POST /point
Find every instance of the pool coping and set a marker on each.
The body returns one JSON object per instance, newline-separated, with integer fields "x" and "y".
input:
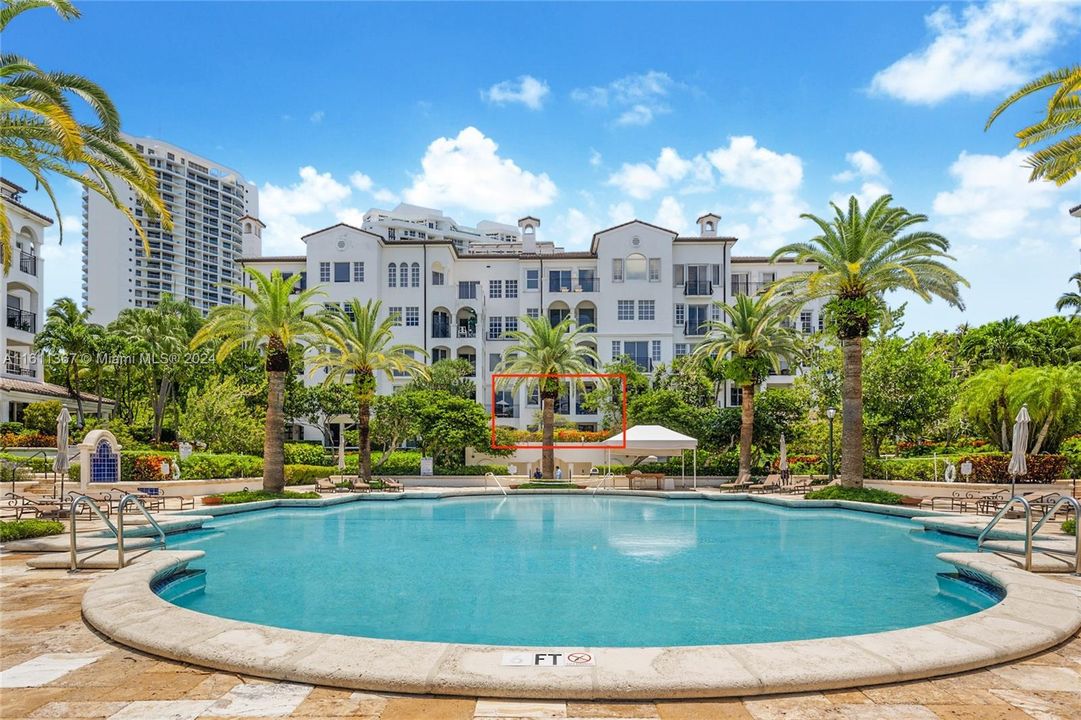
{"x": 1036, "y": 613}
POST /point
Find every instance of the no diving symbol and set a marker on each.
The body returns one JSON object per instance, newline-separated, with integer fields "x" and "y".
{"x": 580, "y": 658}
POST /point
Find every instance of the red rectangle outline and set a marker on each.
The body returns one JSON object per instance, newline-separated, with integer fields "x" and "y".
{"x": 592, "y": 446}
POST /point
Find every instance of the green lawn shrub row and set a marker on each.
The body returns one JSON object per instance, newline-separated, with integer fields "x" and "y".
{"x": 244, "y": 496}
{"x": 23, "y": 529}
{"x": 868, "y": 495}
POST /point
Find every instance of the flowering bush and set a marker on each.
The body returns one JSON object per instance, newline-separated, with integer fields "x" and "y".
{"x": 995, "y": 468}
{"x": 147, "y": 468}
{"x": 27, "y": 439}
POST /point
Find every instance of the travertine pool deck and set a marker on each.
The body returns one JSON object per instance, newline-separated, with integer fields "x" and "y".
{"x": 43, "y": 633}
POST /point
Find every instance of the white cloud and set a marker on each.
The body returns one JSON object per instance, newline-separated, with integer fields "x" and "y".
{"x": 638, "y": 98}
{"x": 386, "y": 197}
{"x": 280, "y": 207}
{"x": 361, "y": 181}
{"x": 595, "y": 158}
{"x": 670, "y": 215}
{"x": 365, "y": 184}
{"x": 642, "y": 180}
{"x": 317, "y": 117}
{"x": 744, "y": 164}
{"x": 467, "y": 172}
{"x": 993, "y": 199}
{"x": 984, "y": 49}
{"x": 350, "y": 216}
{"x": 866, "y": 167}
{"x": 526, "y": 90}
{"x": 620, "y": 212}
{"x": 574, "y": 229}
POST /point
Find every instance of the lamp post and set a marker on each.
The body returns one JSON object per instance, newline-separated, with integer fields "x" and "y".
{"x": 831, "y": 413}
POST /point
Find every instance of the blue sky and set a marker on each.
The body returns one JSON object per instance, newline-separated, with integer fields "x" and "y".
{"x": 588, "y": 115}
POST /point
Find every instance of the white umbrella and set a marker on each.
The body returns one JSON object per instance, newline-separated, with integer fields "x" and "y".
{"x": 341, "y": 446}
{"x": 60, "y": 462}
{"x": 782, "y": 463}
{"x": 1020, "y": 444}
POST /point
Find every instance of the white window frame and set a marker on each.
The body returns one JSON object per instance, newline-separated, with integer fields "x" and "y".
{"x": 654, "y": 269}
{"x": 617, "y": 270}
{"x": 647, "y": 305}
{"x": 392, "y": 311}
{"x": 625, "y": 310}
{"x": 358, "y": 271}
{"x": 412, "y": 316}
{"x": 324, "y": 272}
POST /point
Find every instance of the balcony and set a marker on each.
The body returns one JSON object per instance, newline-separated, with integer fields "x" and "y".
{"x": 13, "y": 367}
{"x": 699, "y": 288}
{"x": 692, "y": 329}
{"x": 466, "y": 331}
{"x": 22, "y": 320}
{"x": 587, "y": 285}
{"x": 492, "y": 335}
{"x": 746, "y": 287}
{"x": 28, "y": 263}
{"x": 441, "y": 330}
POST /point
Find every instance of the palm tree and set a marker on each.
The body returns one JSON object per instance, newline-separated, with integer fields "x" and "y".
{"x": 985, "y": 400}
{"x": 39, "y": 131}
{"x": 359, "y": 343}
{"x": 546, "y": 351}
{"x": 1052, "y": 393}
{"x": 69, "y": 335}
{"x": 861, "y": 256}
{"x": 755, "y": 340}
{"x": 1060, "y": 161}
{"x": 1002, "y": 341}
{"x": 276, "y": 319}
{"x": 1071, "y": 299}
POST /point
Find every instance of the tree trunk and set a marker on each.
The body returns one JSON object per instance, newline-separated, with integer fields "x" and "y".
{"x": 548, "y": 455}
{"x": 364, "y": 433}
{"x": 159, "y": 406}
{"x": 746, "y": 433}
{"x": 1041, "y": 438}
{"x": 274, "y": 437}
{"x": 73, "y": 388}
{"x": 852, "y": 413}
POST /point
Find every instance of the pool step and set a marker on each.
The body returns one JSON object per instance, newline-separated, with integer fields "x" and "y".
{"x": 1047, "y": 556}
{"x": 105, "y": 560}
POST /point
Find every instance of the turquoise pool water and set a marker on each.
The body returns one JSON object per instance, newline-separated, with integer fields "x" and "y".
{"x": 574, "y": 570}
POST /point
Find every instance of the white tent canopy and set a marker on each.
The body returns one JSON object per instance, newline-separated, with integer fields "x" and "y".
{"x": 644, "y": 440}
{"x": 651, "y": 440}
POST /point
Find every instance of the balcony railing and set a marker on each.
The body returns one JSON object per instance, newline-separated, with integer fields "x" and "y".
{"x": 441, "y": 330}
{"x": 698, "y": 288}
{"x": 746, "y": 287}
{"x": 466, "y": 332}
{"x": 12, "y": 367}
{"x": 693, "y": 329}
{"x": 593, "y": 285}
{"x": 28, "y": 263}
{"x": 22, "y": 320}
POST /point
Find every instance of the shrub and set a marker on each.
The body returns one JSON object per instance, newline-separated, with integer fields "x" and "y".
{"x": 210, "y": 466}
{"x": 34, "y": 464}
{"x": 1070, "y": 526}
{"x": 27, "y": 439}
{"x": 220, "y": 417}
{"x": 868, "y": 495}
{"x": 41, "y": 416}
{"x": 306, "y": 454}
{"x": 11, "y": 428}
{"x": 920, "y": 469}
{"x": 244, "y": 496}
{"x": 147, "y": 468}
{"x": 1071, "y": 448}
{"x": 995, "y": 468}
{"x": 22, "y": 529}
{"x": 307, "y": 474}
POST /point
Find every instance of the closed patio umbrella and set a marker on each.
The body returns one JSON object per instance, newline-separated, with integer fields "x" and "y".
{"x": 1018, "y": 465}
{"x": 60, "y": 462}
{"x": 341, "y": 446}
{"x": 782, "y": 462}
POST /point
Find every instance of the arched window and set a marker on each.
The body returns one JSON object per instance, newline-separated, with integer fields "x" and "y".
{"x": 636, "y": 266}
{"x": 247, "y": 227}
{"x": 415, "y": 276}
{"x": 709, "y": 225}
{"x": 392, "y": 275}
{"x": 403, "y": 275}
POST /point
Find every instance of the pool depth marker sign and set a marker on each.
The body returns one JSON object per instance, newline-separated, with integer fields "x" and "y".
{"x": 547, "y": 658}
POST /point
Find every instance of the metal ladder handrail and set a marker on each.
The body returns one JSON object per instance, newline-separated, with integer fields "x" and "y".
{"x": 605, "y": 480}
{"x": 1065, "y": 500}
{"x": 74, "y": 515}
{"x": 1028, "y": 527}
{"x": 133, "y": 498}
{"x": 492, "y": 476}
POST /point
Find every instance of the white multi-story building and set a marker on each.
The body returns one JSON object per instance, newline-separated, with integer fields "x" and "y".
{"x": 458, "y": 291}
{"x": 22, "y": 380}
{"x": 209, "y": 203}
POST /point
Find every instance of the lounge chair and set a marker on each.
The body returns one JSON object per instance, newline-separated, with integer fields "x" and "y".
{"x": 355, "y": 483}
{"x": 772, "y": 483}
{"x": 734, "y": 486}
{"x": 391, "y": 485}
{"x": 39, "y": 505}
{"x": 993, "y": 502}
{"x": 797, "y": 484}
{"x": 152, "y": 500}
{"x": 324, "y": 485}
{"x": 162, "y": 498}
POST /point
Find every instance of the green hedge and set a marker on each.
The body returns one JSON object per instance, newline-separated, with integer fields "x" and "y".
{"x": 22, "y": 529}
{"x": 868, "y": 495}
{"x": 35, "y": 464}
{"x": 307, "y": 474}
{"x": 306, "y": 454}
{"x": 212, "y": 466}
{"x": 244, "y": 496}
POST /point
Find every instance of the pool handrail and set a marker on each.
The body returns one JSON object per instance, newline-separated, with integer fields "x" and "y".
{"x": 1028, "y": 527}
{"x": 74, "y": 514}
{"x": 1072, "y": 501}
{"x": 606, "y": 479}
{"x": 493, "y": 477}
{"x": 133, "y": 498}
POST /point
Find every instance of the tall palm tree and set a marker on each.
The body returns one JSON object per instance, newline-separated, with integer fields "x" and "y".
{"x": 1060, "y": 161}
{"x": 275, "y": 319}
{"x": 547, "y": 351}
{"x": 860, "y": 256}
{"x": 755, "y": 340}
{"x": 1052, "y": 393}
{"x": 40, "y": 132}
{"x": 1071, "y": 299}
{"x": 69, "y": 335}
{"x": 361, "y": 344}
{"x": 984, "y": 399}
{"x": 1001, "y": 341}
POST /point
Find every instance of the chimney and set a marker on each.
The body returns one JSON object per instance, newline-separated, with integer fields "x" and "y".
{"x": 528, "y": 228}
{"x": 707, "y": 225}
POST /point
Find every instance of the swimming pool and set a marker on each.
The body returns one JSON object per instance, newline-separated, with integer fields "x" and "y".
{"x": 574, "y": 570}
